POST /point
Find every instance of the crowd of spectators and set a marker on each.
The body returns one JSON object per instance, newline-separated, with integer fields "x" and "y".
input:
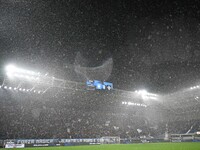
{"x": 36, "y": 116}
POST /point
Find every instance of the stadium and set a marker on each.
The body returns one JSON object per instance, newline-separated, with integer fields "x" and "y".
{"x": 99, "y": 75}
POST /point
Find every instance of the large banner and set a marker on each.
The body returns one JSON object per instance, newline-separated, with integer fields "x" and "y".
{"x": 56, "y": 141}
{"x": 12, "y": 145}
{"x": 59, "y": 142}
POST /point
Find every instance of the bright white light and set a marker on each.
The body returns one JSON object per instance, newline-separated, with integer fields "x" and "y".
{"x": 24, "y": 89}
{"x": 34, "y": 91}
{"x": 20, "y": 89}
{"x": 15, "y": 88}
{"x": 9, "y": 74}
{"x": 0, "y": 86}
{"x": 150, "y": 94}
{"x": 142, "y": 92}
{"x": 5, "y": 87}
{"x": 134, "y": 104}
{"x": 154, "y": 98}
{"x": 145, "y": 95}
{"x": 27, "y": 77}
{"x": 10, "y": 68}
{"x": 38, "y": 92}
{"x": 16, "y": 75}
{"x": 14, "y": 69}
{"x": 10, "y": 88}
{"x": 27, "y": 90}
{"x": 21, "y": 76}
{"x": 194, "y": 87}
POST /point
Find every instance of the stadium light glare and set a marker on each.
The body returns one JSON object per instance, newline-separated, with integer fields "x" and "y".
{"x": 9, "y": 74}
{"x": 5, "y": 87}
{"x": 10, "y": 88}
{"x": 146, "y": 95}
{"x": 142, "y": 92}
{"x": 13, "y": 69}
{"x": 27, "y": 77}
{"x": 15, "y": 74}
{"x": 134, "y": 104}
{"x": 20, "y": 89}
{"x": 20, "y": 75}
{"x": 10, "y": 68}
{"x": 15, "y": 88}
{"x": 154, "y": 98}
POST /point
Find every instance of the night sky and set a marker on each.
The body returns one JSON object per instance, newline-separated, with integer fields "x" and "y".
{"x": 152, "y": 44}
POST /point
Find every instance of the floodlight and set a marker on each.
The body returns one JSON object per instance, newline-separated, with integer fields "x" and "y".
{"x": 0, "y": 86}
{"x": 20, "y": 89}
{"x": 24, "y": 89}
{"x": 142, "y": 92}
{"x": 10, "y": 68}
{"x": 15, "y": 88}
{"x": 10, "y": 88}
{"x": 5, "y": 87}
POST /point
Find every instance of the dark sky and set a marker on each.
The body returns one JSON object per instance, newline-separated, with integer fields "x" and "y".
{"x": 154, "y": 44}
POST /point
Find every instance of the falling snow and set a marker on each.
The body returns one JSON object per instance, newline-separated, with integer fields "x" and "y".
{"x": 136, "y": 45}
